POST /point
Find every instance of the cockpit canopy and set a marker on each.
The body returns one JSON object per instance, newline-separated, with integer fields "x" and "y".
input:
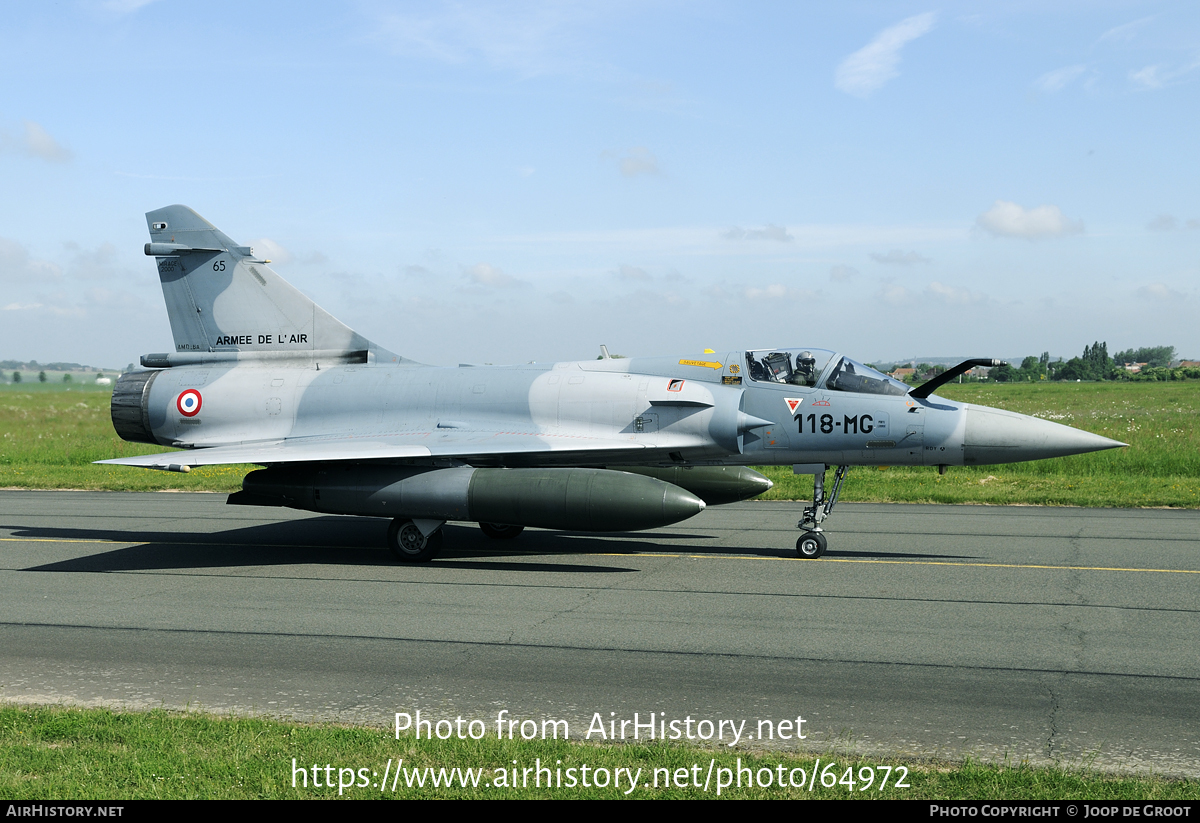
{"x": 819, "y": 367}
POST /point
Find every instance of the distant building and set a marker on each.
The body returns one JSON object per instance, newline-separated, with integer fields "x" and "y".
{"x": 1134, "y": 368}
{"x": 902, "y": 374}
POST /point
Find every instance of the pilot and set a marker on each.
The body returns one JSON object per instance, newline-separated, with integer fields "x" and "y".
{"x": 806, "y": 369}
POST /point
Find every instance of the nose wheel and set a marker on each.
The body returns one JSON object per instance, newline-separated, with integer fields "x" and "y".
{"x": 811, "y": 546}
{"x": 812, "y": 543}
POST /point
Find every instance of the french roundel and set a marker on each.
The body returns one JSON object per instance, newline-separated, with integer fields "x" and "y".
{"x": 189, "y": 403}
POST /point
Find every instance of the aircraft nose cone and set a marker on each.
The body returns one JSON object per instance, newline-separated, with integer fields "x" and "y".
{"x": 995, "y": 436}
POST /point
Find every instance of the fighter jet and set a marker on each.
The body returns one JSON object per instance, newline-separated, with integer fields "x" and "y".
{"x": 262, "y": 375}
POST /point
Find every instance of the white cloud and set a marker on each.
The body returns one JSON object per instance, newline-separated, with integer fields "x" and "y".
{"x": 635, "y": 161}
{"x": 896, "y": 257}
{"x": 626, "y": 272}
{"x": 893, "y": 293}
{"x": 827, "y": 239}
{"x": 1150, "y": 77}
{"x": 17, "y": 267}
{"x": 94, "y": 265}
{"x": 530, "y": 38}
{"x": 1058, "y": 79}
{"x": 773, "y": 290}
{"x": 952, "y": 295}
{"x": 59, "y": 304}
{"x": 768, "y": 232}
{"x": 646, "y": 297}
{"x": 35, "y": 141}
{"x": 1124, "y": 32}
{"x": 842, "y": 273}
{"x": 115, "y": 299}
{"x": 484, "y": 274}
{"x": 1160, "y": 75}
{"x": 869, "y": 68}
{"x": 1163, "y": 222}
{"x": 125, "y": 6}
{"x": 1006, "y": 219}
{"x": 778, "y": 291}
{"x": 267, "y": 249}
{"x": 1160, "y": 292}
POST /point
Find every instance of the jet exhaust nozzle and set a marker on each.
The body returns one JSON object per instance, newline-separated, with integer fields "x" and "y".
{"x": 130, "y": 407}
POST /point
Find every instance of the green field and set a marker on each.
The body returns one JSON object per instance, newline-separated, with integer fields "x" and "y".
{"x": 49, "y": 436}
{"x": 55, "y": 753}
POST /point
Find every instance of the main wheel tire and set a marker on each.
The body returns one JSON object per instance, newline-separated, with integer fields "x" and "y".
{"x": 811, "y": 546}
{"x": 409, "y": 545}
{"x": 500, "y": 531}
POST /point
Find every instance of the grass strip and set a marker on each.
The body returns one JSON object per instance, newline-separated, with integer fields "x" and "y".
{"x": 55, "y": 753}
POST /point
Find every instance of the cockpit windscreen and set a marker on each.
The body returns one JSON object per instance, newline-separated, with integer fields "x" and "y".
{"x": 852, "y": 376}
{"x": 805, "y": 367}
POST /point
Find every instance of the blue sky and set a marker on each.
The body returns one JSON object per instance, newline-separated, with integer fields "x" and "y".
{"x": 490, "y": 182}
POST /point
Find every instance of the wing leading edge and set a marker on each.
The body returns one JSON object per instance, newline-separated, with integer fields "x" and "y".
{"x": 456, "y": 443}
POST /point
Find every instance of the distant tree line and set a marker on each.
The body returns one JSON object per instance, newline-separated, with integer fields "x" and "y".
{"x": 42, "y": 377}
{"x": 33, "y": 365}
{"x": 1095, "y": 364}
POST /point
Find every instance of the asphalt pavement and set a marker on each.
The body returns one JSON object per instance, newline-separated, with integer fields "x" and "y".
{"x": 1042, "y": 635}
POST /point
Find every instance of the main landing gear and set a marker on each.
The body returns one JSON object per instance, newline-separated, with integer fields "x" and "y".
{"x": 419, "y": 541}
{"x": 812, "y": 543}
{"x": 500, "y": 531}
{"x": 413, "y": 542}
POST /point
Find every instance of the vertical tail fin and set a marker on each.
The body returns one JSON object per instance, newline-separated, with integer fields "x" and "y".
{"x": 221, "y": 298}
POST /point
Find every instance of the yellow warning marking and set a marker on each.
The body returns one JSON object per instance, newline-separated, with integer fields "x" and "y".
{"x": 708, "y": 364}
{"x": 625, "y": 554}
{"x": 906, "y": 562}
{"x": 1010, "y": 566}
{"x": 59, "y": 540}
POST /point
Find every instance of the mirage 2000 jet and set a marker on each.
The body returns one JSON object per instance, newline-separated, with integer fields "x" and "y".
{"x": 261, "y": 374}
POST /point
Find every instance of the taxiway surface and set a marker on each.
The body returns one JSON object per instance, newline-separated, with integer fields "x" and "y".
{"x": 1033, "y": 634}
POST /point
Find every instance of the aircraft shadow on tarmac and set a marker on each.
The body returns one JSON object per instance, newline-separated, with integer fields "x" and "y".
{"x": 334, "y": 541}
{"x": 341, "y": 541}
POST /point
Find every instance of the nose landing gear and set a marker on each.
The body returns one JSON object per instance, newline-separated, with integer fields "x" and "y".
{"x": 812, "y": 543}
